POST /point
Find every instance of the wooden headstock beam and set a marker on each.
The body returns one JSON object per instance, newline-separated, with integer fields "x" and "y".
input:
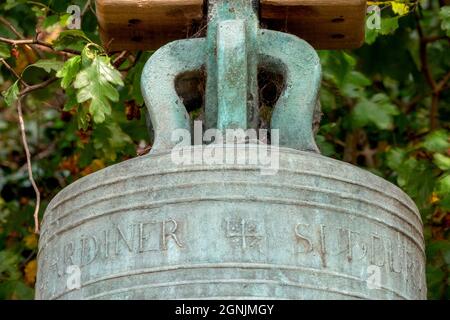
{"x": 149, "y": 24}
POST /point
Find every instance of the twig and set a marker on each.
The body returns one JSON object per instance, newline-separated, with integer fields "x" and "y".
{"x": 41, "y": 155}
{"x": 30, "y": 171}
{"x": 436, "y": 87}
{"x": 117, "y": 62}
{"x": 406, "y": 107}
{"x": 38, "y": 86}
{"x": 434, "y": 38}
{"x": 440, "y": 86}
{"x": 13, "y": 72}
{"x": 86, "y": 7}
{"x": 28, "y": 88}
{"x": 434, "y": 110}
{"x": 11, "y": 27}
{"x": 37, "y": 42}
{"x": 424, "y": 56}
{"x": 20, "y": 35}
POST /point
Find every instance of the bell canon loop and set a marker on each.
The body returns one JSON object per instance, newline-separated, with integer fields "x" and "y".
{"x": 229, "y": 208}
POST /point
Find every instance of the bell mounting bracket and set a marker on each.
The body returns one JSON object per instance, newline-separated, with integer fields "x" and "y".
{"x": 234, "y": 49}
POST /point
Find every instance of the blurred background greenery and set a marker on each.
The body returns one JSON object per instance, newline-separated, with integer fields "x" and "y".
{"x": 386, "y": 108}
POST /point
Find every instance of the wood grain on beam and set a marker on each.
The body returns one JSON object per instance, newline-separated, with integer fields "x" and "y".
{"x": 146, "y": 24}
{"x": 326, "y": 24}
{"x": 149, "y": 24}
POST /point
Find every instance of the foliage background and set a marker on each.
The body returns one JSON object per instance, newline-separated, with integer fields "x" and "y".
{"x": 386, "y": 108}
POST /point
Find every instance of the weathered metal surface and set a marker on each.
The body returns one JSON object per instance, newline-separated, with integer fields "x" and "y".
{"x": 232, "y": 63}
{"x": 148, "y": 229}
{"x": 231, "y": 54}
{"x": 165, "y": 107}
{"x": 294, "y": 110}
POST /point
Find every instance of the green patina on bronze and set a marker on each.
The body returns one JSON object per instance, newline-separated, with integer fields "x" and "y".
{"x": 233, "y": 51}
{"x": 232, "y": 65}
{"x": 151, "y": 228}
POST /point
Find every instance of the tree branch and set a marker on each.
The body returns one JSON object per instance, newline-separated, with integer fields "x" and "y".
{"x": 117, "y": 62}
{"x": 424, "y": 56}
{"x": 440, "y": 86}
{"x": 434, "y": 111}
{"x": 11, "y": 27}
{"x": 38, "y": 86}
{"x": 13, "y": 72}
{"x": 86, "y": 7}
{"x": 434, "y": 38}
{"x": 436, "y": 88}
{"x": 36, "y": 42}
{"x": 28, "y": 88}
{"x": 30, "y": 171}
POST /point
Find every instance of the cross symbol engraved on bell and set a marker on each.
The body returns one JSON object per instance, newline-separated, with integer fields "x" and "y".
{"x": 243, "y": 233}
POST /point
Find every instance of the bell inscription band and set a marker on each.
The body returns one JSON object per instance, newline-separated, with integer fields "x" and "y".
{"x": 183, "y": 223}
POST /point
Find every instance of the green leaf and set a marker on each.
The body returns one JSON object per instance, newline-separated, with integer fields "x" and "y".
{"x": 108, "y": 138}
{"x": 71, "y": 100}
{"x": 395, "y": 158}
{"x": 325, "y": 147}
{"x": 83, "y": 117}
{"x": 418, "y": 180}
{"x": 435, "y": 279}
{"x": 5, "y": 51}
{"x": 444, "y": 185}
{"x": 96, "y": 83}
{"x": 444, "y": 203}
{"x": 437, "y": 141}
{"x": 413, "y": 46}
{"x": 436, "y": 247}
{"x": 134, "y": 79}
{"x": 69, "y": 71}
{"x": 48, "y": 65}
{"x": 378, "y": 111}
{"x": 8, "y": 265}
{"x": 443, "y": 162}
{"x": 444, "y": 14}
{"x": 10, "y": 4}
{"x": 71, "y": 39}
{"x": 371, "y": 35}
{"x": 354, "y": 83}
{"x": 372, "y": 27}
{"x": 447, "y": 256}
{"x": 11, "y": 94}
{"x": 64, "y": 19}
{"x": 50, "y": 21}
{"x": 338, "y": 65}
{"x": 389, "y": 25}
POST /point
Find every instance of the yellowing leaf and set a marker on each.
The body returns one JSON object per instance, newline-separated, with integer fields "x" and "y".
{"x": 434, "y": 198}
{"x": 31, "y": 241}
{"x": 30, "y": 272}
{"x": 96, "y": 165}
{"x": 400, "y": 8}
